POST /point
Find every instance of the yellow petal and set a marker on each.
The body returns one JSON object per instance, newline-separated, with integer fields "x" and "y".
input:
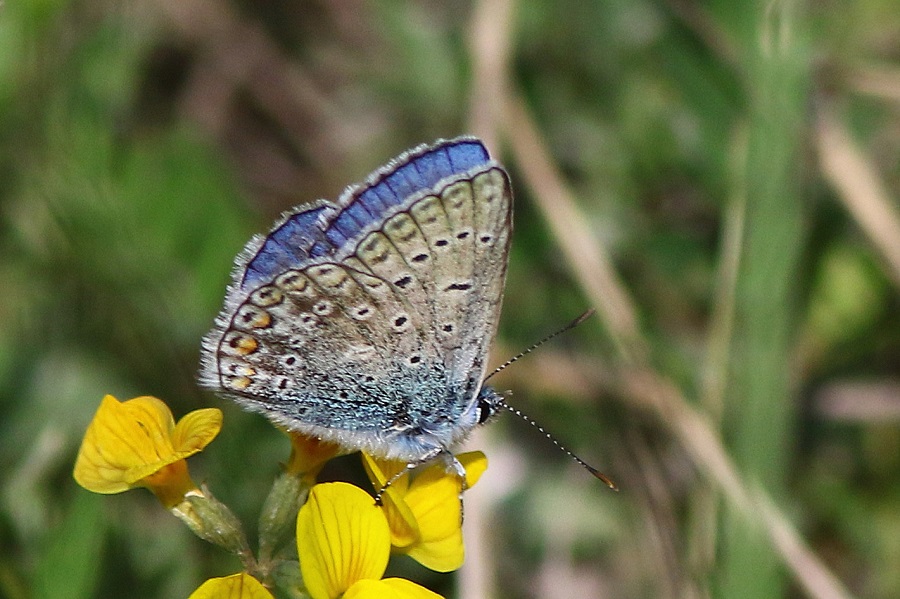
{"x": 475, "y": 463}
{"x": 389, "y": 588}
{"x": 124, "y": 443}
{"x": 443, "y": 555}
{"x": 434, "y": 500}
{"x": 236, "y": 586}
{"x": 380, "y": 471}
{"x": 401, "y": 520}
{"x": 342, "y": 537}
{"x": 196, "y": 430}
{"x": 425, "y": 516}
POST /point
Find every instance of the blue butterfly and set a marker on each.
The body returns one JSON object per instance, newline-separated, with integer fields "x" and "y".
{"x": 367, "y": 322}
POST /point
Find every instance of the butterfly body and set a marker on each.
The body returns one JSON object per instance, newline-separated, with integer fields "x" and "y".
{"x": 368, "y": 322}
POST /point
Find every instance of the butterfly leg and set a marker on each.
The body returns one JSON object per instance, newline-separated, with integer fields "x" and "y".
{"x": 451, "y": 466}
{"x": 409, "y": 468}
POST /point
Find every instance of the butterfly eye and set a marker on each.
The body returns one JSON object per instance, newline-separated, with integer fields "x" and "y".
{"x": 485, "y": 411}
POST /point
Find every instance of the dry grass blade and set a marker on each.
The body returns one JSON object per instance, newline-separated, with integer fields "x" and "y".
{"x": 490, "y": 42}
{"x": 860, "y": 188}
{"x": 877, "y": 81}
{"x": 591, "y": 264}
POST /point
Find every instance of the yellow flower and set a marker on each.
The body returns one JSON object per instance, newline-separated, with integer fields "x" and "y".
{"x": 425, "y": 515}
{"x": 343, "y": 542}
{"x": 136, "y": 443}
{"x": 236, "y": 586}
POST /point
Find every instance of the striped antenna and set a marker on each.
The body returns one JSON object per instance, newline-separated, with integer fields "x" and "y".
{"x": 608, "y": 481}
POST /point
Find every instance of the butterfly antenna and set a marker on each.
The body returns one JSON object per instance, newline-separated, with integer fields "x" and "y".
{"x": 608, "y": 481}
{"x": 518, "y": 357}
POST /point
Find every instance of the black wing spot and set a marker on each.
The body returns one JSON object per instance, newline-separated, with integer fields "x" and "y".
{"x": 441, "y": 243}
{"x": 415, "y": 359}
{"x": 462, "y": 235}
{"x": 447, "y": 328}
{"x": 400, "y": 321}
{"x": 458, "y": 287}
{"x": 289, "y": 280}
{"x": 322, "y": 308}
{"x": 402, "y": 282}
{"x": 486, "y": 239}
{"x": 420, "y": 257}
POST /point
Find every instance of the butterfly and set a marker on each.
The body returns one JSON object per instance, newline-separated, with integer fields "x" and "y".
{"x": 367, "y": 322}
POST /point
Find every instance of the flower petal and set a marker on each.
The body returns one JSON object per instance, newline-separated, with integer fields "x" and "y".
{"x": 389, "y": 588}
{"x": 425, "y": 516}
{"x": 402, "y": 522}
{"x": 342, "y": 537}
{"x": 124, "y": 443}
{"x": 475, "y": 463}
{"x": 380, "y": 471}
{"x": 236, "y": 586}
{"x": 434, "y": 499}
{"x": 196, "y": 430}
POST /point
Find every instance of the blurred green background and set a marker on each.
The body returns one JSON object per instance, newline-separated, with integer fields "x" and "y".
{"x": 734, "y": 164}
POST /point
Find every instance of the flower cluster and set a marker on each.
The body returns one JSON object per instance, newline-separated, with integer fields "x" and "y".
{"x": 343, "y": 538}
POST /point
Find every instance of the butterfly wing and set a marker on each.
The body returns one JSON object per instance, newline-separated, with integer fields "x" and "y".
{"x": 368, "y": 323}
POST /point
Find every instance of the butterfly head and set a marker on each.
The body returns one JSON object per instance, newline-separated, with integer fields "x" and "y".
{"x": 487, "y": 404}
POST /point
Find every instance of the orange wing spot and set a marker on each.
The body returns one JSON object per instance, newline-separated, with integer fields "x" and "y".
{"x": 252, "y": 317}
{"x": 239, "y": 344}
{"x": 262, "y": 320}
{"x": 237, "y": 383}
{"x": 247, "y": 345}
